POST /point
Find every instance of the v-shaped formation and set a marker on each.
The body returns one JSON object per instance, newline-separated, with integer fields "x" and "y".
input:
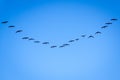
{"x": 65, "y": 44}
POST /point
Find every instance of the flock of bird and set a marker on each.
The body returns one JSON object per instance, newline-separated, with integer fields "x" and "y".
{"x": 68, "y": 42}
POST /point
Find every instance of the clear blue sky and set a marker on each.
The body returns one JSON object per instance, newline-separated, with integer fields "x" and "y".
{"x": 59, "y": 21}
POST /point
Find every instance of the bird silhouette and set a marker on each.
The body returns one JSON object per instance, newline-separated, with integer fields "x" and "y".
{"x": 114, "y": 19}
{"x": 98, "y": 32}
{"x": 61, "y": 46}
{"x": 36, "y": 41}
{"x": 31, "y": 39}
{"x": 25, "y": 38}
{"x": 65, "y": 44}
{"x": 77, "y": 39}
{"x": 104, "y": 27}
{"x": 108, "y": 23}
{"x": 71, "y": 41}
{"x": 53, "y": 46}
{"x": 4, "y": 22}
{"x": 91, "y": 36}
{"x": 83, "y": 35}
{"x": 18, "y": 31}
{"x": 11, "y": 26}
{"x": 45, "y": 43}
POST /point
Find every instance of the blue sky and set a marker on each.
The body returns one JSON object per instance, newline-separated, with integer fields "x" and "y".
{"x": 59, "y": 21}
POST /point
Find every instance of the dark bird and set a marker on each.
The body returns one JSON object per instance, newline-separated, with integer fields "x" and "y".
{"x": 11, "y": 26}
{"x": 91, "y": 36}
{"x": 83, "y": 35}
{"x": 19, "y": 31}
{"x": 98, "y": 32}
{"x": 65, "y": 44}
{"x": 71, "y": 41}
{"x": 36, "y": 41}
{"x": 31, "y": 39}
{"x": 25, "y": 38}
{"x": 114, "y": 19}
{"x": 77, "y": 39}
{"x": 61, "y": 46}
{"x": 53, "y": 46}
{"x": 4, "y": 22}
{"x": 104, "y": 27}
{"x": 45, "y": 43}
{"x": 108, "y": 23}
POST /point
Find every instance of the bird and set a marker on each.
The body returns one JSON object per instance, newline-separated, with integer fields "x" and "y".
{"x": 77, "y": 39}
{"x": 45, "y": 43}
{"x": 31, "y": 39}
{"x": 71, "y": 41}
{"x": 11, "y": 26}
{"x": 83, "y": 35}
{"x": 91, "y": 36}
{"x": 65, "y": 44}
{"x": 36, "y": 41}
{"x": 61, "y": 46}
{"x": 104, "y": 27}
{"x": 108, "y": 23}
{"x": 19, "y": 31}
{"x": 25, "y": 38}
{"x": 98, "y": 32}
{"x": 53, "y": 46}
{"x": 114, "y": 19}
{"x": 4, "y": 22}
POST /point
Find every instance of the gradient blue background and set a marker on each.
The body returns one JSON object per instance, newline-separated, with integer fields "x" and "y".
{"x": 58, "y": 21}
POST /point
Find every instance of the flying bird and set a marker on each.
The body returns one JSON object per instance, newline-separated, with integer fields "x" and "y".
{"x": 108, "y": 23}
{"x": 31, "y": 39}
{"x": 25, "y": 38}
{"x": 91, "y": 36}
{"x": 77, "y": 39}
{"x": 98, "y": 32}
{"x": 114, "y": 19}
{"x": 36, "y": 41}
{"x": 4, "y": 22}
{"x": 11, "y": 26}
{"x": 83, "y": 35}
{"x": 65, "y": 44}
{"x": 104, "y": 27}
{"x": 71, "y": 41}
{"x": 45, "y": 43}
{"x": 53, "y": 46}
{"x": 61, "y": 46}
{"x": 19, "y": 31}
